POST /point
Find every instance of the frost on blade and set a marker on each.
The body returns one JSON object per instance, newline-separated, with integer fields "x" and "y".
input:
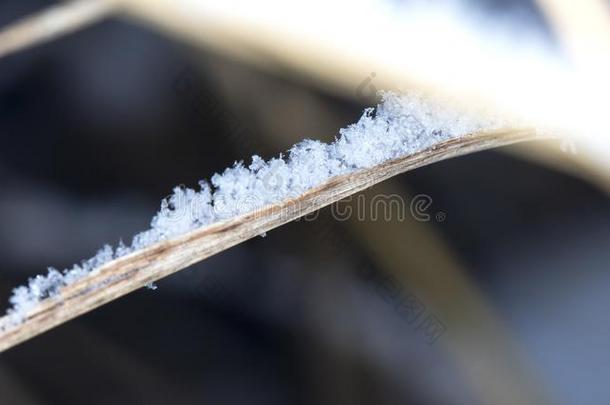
{"x": 40, "y": 287}
{"x": 185, "y": 210}
{"x": 400, "y": 125}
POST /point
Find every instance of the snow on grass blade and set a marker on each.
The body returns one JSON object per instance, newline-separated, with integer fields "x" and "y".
{"x": 400, "y": 125}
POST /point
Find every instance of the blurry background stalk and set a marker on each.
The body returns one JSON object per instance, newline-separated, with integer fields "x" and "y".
{"x": 336, "y": 65}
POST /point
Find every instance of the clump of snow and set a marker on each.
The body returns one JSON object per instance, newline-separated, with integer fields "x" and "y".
{"x": 400, "y": 125}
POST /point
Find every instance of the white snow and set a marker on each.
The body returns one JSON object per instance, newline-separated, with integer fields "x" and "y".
{"x": 400, "y": 125}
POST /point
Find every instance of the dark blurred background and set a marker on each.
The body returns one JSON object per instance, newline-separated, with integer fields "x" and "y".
{"x": 95, "y": 128}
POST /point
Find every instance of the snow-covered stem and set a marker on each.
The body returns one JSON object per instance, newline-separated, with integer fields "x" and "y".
{"x": 53, "y": 22}
{"x": 403, "y": 132}
{"x": 139, "y": 268}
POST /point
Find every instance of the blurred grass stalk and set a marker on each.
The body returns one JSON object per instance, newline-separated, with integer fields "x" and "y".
{"x": 525, "y": 86}
{"x": 477, "y": 341}
{"x": 52, "y": 23}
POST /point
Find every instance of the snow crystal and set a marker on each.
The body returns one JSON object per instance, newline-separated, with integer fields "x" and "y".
{"x": 400, "y": 125}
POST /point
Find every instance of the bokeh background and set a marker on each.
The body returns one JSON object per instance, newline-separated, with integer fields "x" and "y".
{"x": 97, "y": 127}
